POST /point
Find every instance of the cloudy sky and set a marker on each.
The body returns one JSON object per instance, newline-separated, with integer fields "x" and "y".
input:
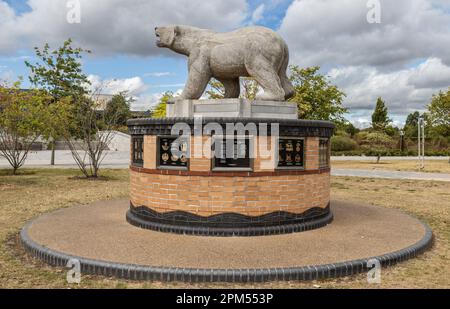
{"x": 404, "y": 59}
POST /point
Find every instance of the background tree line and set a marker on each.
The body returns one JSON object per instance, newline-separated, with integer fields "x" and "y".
{"x": 383, "y": 139}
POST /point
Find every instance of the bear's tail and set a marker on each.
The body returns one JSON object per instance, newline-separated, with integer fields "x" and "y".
{"x": 289, "y": 90}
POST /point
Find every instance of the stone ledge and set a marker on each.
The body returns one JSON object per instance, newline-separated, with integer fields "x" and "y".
{"x": 233, "y": 108}
{"x": 287, "y": 127}
{"x": 284, "y": 172}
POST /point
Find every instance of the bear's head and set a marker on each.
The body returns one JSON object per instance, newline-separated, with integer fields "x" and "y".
{"x": 165, "y": 36}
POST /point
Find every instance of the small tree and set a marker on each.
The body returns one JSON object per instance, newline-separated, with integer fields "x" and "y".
{"x": 160, "y": 109}
{"x": 377, "y": 143}
{"x": 60, "y": 73}
{"x": 88, "y": 132}
{"x": 117, "y": 110}
{"x": 439, "y": 113}
{"x": 315, "y": 96}
{"x": 23, "y": 116}
{"x": 411, "y": 124}
{"x": 380, "y": 119}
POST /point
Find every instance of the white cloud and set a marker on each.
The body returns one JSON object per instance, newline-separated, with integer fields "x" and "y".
{"x": 431, "y": 74}
{"x": 7, "y": 76}
{"x": 134, "y": 86}
{"x": 372, "y": 60}
{"x": 136, "y": 89}
{"x": 158, "y": 74}
{"x": 112, "y": 26}
{"x": 145, "y": 102}
{"x": 167, "y": 85}
{"x": 258, "y": 14}
{"x": 404, "y": 91}
{"x": 337, "y": 32}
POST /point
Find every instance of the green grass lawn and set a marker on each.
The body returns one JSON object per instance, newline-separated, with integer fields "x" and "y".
{"x": 431, "y": 166}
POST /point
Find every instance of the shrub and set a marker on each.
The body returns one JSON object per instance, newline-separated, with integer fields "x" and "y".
{"x": 343, "y": 143}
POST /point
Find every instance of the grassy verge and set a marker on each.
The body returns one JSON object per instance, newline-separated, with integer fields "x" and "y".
{"x": 38, "y": 191}
{"x": 437, "y": 166}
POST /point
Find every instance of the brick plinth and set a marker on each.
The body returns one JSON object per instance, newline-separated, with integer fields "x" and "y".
{"x": 253, "y": 195}
{"x": 259, "y": 198}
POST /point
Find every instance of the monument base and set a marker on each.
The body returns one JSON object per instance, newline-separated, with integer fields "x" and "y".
{"x": 205, "y": 194}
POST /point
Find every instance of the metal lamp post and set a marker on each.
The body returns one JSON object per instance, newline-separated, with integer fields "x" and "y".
{"x": 421, "y": 142}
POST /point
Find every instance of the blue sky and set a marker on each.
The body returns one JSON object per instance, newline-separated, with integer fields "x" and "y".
{"x": 405, "y": 60}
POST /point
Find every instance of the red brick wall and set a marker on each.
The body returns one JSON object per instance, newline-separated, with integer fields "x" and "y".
{"x": 207, "y": 195}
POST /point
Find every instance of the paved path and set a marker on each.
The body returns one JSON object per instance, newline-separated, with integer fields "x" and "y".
{"x": 120, "y": 159}
{"x": 63, "y": 159}
{"x": 364, "y": 158}
{"x": 390, "y": 174}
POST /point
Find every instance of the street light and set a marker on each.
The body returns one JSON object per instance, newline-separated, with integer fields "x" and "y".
{"x": 402, "y": 141}
{"x": 421, "y": 142}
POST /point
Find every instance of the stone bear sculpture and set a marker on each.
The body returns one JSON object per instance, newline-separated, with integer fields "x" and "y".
{"x": 255, "y": 52}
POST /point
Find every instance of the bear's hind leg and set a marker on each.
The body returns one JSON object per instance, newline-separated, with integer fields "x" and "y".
{"x": 232, "y": 88}
{"x": 287, "y": 86}
{"x": 268, "y": 79}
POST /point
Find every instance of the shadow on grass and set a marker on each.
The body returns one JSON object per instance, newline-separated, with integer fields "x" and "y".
{"x": 9, "y": 172}
{"x": 99, "y": 178}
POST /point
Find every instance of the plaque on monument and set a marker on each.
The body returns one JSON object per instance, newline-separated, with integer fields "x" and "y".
{"x": 138, "y": 150}
{"x": 324, "y": 153}
{"x": 172, "y": 153}
{"x": 231, "y": 153}
{"x": 291, "y": 153}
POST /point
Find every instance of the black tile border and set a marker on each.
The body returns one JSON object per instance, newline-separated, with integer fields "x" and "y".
{"x": 276, "y": 173}
{"x": 191, "y": 275}
{"x": 229, "y": 224}
{"x": 287, "y": 127}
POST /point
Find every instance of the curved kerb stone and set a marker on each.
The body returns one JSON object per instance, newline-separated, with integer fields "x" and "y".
{"x": 141, "y": 272}
{"x": 240, "y": 225}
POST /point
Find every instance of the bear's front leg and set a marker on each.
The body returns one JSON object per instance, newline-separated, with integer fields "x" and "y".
{"x": 199, "y": 77}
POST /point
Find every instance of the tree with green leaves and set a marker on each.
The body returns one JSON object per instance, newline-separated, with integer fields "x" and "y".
{"x": 377, "y": 143}
{"x": 87, "y": 131}
{"x": 439, "y": 114}
{"x": 60, "y": 73}
{"x": 117, "y": 110}
{"x": 347, "y": 127}
{"x": 411, "y": 125}
{"x": 380, "y": 119}
{"x": 315, "y": 96}
{"x": 23, "y": 118}
{"x": 160, "y": 109}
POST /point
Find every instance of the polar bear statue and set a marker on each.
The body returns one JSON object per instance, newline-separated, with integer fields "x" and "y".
{"x": 255, "y": 52}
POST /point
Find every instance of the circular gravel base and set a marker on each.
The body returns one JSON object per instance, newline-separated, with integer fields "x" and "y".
{"x": 105, "y": 244}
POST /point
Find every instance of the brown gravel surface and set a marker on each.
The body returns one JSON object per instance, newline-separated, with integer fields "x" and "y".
{"x": 99, "y": 231}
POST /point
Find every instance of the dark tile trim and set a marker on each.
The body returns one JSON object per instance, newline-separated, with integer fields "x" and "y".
{"x": 229, "y": 224}
{"x": 229, "y": 174}
{"x": 297, "y": 128}
{"x": 140, "y": 272}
